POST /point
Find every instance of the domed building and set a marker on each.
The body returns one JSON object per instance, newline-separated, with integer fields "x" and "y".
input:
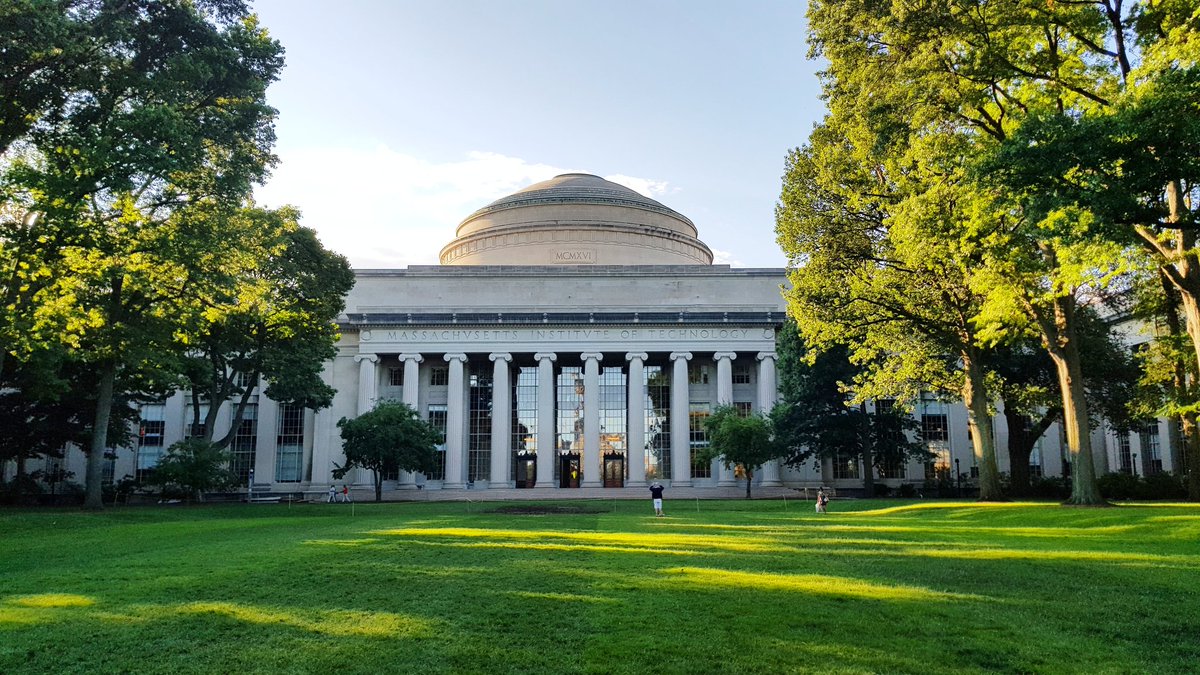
{"x": 576, "y": 219}
{"x": 575, "y": 336}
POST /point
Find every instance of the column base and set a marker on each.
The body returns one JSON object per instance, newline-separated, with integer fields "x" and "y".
{"x": 502, "y": 485}
{"x": 724, "y": 482}
{"x": 454, "y": 486}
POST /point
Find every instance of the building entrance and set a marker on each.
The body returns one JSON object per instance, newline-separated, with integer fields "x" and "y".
{"x": 614, "y": 470}
{"x": 525, "y": 469}
{"x": 570, "y": 470}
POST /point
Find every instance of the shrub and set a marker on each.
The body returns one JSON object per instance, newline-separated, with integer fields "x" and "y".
{"x": 1118, "y": 485}
{"x": 907, "y": 490}
{"x": 1050, "y": 487}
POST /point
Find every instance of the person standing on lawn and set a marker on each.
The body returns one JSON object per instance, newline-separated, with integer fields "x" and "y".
{"x": 656, "y": 492}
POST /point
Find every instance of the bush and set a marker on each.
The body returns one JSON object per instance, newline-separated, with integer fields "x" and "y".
{"x": 907, "y": 490}
{"x": 23, "y": 489}
{"x": 1119, "y": 485}
{"x": 1122, "y": 486}
{"x": 882, "y": 490}
{"x": 1049, "y": 487}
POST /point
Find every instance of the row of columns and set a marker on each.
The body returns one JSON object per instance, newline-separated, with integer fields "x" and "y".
{"x": 501, "y": 456}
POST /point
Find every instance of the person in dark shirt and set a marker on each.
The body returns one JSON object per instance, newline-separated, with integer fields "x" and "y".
{"x": 656, "y": 490}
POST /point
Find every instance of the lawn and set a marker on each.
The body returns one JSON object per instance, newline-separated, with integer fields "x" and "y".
{"x": 602, "y": 587}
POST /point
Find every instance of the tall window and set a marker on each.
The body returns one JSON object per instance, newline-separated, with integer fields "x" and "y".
{"x": 614, "y": 411}
{"x": 245, "y": 442}
{"x": 845, "y": 466}
{"x": 289, "y": 449}
{"x": 525, "y": 419}
{"x": 658, "y": 421}
{"x": 437, "y": 418}
{"x": 935, "y": 428}
{"x": 1124, "y": 453}
{"x": 439, "y": 376}
{"x": 1152, "y": 455}
{"x": 698, "y": 439}
{"x": 743, "y": 408}
{"x": 479, "y": 425}
{"x": 569, "y": 395}
{"x": 1035, "y": 460}
{"x": 396, "y": 376}
{"x": 741, "y": 373}
{"x": 150, "y": 438}
{"x": 697, "y": 373}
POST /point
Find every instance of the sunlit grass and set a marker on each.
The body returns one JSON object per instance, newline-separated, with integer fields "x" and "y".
{"x": 733, "y": 587}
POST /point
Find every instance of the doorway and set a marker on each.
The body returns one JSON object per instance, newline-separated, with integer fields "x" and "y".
{"x": 570, "y": 470}
{"x": 614, "y": 470}
{"x": 525, "y": 469}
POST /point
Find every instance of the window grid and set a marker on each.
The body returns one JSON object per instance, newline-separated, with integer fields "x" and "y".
{"x": 845, "y": 466}
{"x": 396, "y": 376}
{"x": 524, "y": 415}
{"x": 698, "y": 439}
{"x": 657, "y": 387}
{"x": 479, "y": 426}
{"x": 437, "y": 419}
{"x": 150, "y": 439}
{"x": 935, "y": 427}
{"x": 439, "y": 376}
{"x": 569, "y": 398}
{"x": 614, "y": 411}
{"x": 1124, "y": 453}
{"x": 289, "y": 450}
{"x": 1152, "y": 457}
{"x": 741, "y": 373}
{"x": 245, "y": 443}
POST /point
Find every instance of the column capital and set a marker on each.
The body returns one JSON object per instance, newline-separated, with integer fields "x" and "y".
{"x": 687, "y": 356}
{"x": 542, "y": 356}
{"x": 411, "y": 357}
{"x": 717, "y": 356}
{"x": 457, "y": 356}
{"x": 767, "y": 355}
{"x": 500, "y": 356}
{"x": 640, "y": 356}
{"x": 373, "y": 358}
{"x": 592, "y": 356}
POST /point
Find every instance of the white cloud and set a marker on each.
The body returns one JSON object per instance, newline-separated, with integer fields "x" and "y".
{"x": 725, "y": 258}
{"x": 383, "y": 208}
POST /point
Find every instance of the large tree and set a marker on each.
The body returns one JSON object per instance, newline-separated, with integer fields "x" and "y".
{"x": 162, "y": 122}
{"x": 273, "y": 322}
{"x": 390, "y": 437}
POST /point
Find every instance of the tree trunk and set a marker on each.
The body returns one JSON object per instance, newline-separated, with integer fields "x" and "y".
{"x": 1191, "y": 435}
{"x": 1060, "y": 342}
{"x": 749, "y": 479}
{"x": 93, "y": 495}
{"x": 1019, "y": 449}
{"x": 975, "y": 396}
{"x": 378, "y": 485}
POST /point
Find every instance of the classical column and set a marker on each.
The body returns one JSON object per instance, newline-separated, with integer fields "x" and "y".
{"x": 767, "y": 395}
{"x": 635, "y": 419}
{"x": 546, "y": 421}
{"x": 591, "y": 419}
{"x": 681, "y": 455}
{"x": 501, "y": 476}
{"x": 455, "y": 418}
{"x": 725, "y": 474}
{"x": 412, "y": 369}
{"x": 324, "y": 433}
{"x": 410, "y": 395}
{"x": 367, "y": 381}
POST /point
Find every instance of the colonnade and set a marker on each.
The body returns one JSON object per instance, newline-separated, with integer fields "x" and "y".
{"x": 501, "y": 452}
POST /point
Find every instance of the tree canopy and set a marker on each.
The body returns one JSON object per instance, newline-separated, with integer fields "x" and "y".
{"x": 390, "y": 437}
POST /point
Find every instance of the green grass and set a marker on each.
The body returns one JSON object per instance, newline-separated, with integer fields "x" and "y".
{"x": 728, "y": 587}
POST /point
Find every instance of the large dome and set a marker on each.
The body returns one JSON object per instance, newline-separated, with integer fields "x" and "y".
{"x": 576, "y": 219}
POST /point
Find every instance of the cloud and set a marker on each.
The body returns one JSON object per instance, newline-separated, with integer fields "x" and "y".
{"x": 725, "y": 258}
{"x": 382, "y": 208}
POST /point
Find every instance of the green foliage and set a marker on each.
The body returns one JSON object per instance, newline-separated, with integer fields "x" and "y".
{"x": 192, "y": 467}
{"x": 1124, "y": 486}
{"x": 739, "y": 440}
{"x": 391, "y": 436}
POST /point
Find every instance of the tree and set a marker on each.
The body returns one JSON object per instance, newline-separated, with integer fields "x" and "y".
{"x": 818, "y": 418}
{"x": 194, "y": 466}
{"x": 391, "y": 436}
{"x": 739, "y": 440}
{"x": 274, "y": 321}
{"x": 162, "y": 122}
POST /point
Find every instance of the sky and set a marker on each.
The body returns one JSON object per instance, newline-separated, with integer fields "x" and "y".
{"x": 399, "y": 118}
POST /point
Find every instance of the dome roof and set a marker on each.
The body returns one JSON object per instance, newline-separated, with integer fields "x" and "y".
{"x": 576, "y": 218}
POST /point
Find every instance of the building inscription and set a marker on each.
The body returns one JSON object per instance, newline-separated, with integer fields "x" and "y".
{"x": 560, "y": 334}
{"x": 575, "y": 257}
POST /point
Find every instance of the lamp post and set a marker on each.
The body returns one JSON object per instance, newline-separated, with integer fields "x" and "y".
{"x": 957, "y": 477}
